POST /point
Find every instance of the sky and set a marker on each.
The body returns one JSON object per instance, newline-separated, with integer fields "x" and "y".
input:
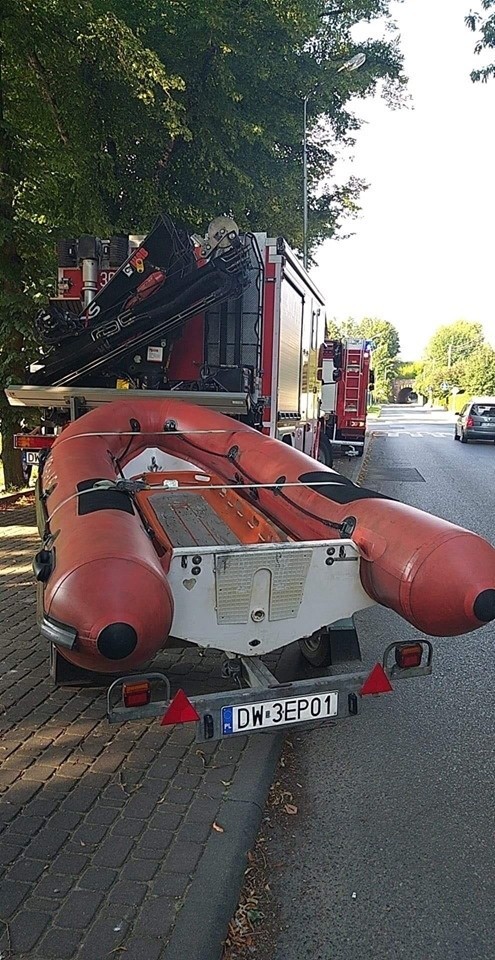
{"x": 423, "y": 248}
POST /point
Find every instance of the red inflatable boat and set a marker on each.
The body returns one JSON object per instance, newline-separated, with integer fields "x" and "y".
{"x": 164, "y": 518}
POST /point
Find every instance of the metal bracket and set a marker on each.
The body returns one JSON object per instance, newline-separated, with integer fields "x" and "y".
{"x": 153, "y": 709}
{"x": 398, "y": 673}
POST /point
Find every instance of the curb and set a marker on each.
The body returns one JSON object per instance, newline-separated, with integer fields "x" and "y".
{"x": 202, "y": 924}
{"x": 365, "y": 462}
{"x": 355, "y": 467}
{"x": 9, "y": 499}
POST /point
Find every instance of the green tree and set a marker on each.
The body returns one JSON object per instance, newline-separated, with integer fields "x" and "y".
{"x": 453, "y": 342}
{"x": 409, "y": 369}
{"x": 436, "y": 380}
{"x": 483, "y": 24}
{"x": 385, "y": 339}
{"x": 383, "y": 334}
{"x": 78, "y": 89}
{"x": 333, "y": 330}
{"x": 478, "y": 374}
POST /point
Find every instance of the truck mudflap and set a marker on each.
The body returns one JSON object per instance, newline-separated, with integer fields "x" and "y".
{"x": 263, "y": 704}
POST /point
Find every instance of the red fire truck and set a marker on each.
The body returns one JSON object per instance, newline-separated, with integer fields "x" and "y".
{"x": 229, "y": 321}
{"x": 346, "y": 383}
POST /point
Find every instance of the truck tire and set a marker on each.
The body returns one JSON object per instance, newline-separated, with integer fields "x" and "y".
{"x": 325, "y": 452}
{"x": 317, "y": 649}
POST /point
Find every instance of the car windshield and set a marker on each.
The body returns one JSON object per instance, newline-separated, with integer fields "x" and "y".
{"x": 483, "y": 410}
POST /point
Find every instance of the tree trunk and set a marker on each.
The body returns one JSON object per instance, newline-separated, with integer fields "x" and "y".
{"x": 10, "y": 288}
{"x": 11, "y": 459}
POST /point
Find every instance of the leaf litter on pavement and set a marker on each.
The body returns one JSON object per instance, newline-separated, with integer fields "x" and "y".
{"x": 252, "y": 930}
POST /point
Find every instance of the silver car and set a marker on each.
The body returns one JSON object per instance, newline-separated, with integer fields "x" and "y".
{"x": 476, "y": 421}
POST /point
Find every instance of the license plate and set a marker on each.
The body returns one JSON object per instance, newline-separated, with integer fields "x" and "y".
{"x": 279, "y": 713}
{"x": 32, "y": 457}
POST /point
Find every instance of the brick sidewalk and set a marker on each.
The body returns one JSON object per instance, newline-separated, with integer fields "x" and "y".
{"x": 101, "y": 827}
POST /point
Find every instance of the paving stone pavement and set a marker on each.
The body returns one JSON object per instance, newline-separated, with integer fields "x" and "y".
{"x": 101, "y": 827}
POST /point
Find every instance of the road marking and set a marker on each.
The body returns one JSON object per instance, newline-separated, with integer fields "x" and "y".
{"x": 413, "y": 433}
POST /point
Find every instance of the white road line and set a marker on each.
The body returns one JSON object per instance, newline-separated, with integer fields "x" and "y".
{"x": 413, "y": 433}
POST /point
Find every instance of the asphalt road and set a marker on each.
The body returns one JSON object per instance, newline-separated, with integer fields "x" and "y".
{"x": 392, "y": 854}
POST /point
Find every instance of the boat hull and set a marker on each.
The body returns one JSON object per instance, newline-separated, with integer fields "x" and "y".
{"x": 109, "y": 570}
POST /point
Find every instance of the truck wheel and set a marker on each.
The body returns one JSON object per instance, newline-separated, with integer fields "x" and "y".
{"x": 325, "y": 452}
{"x": 316, "y": 649}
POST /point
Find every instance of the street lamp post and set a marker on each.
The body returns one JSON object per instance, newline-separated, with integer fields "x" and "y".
{"x": 350, "y": 65}
{"x": 305, "y": 183}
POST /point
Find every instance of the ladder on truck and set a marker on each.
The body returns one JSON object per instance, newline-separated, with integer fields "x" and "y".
{"x": 353, "y": 374}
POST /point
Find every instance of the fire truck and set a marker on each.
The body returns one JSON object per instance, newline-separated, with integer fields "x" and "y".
{"x": 347, "y": 381}
{"x": 229, "y": 320}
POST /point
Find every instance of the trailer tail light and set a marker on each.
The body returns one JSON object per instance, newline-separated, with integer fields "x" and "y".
{"x": 26, "y": 441}
{"x": 180, "y": 710}
{"x": 376, "y": 682}
{"x": 136, "y": 694}
{"x": 408, "y": 655}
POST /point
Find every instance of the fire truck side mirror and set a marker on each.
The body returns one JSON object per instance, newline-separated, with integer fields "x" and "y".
{"x": 372, "y": 380}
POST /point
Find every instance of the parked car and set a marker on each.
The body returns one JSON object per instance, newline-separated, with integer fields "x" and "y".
{"x": 476, "y": 421}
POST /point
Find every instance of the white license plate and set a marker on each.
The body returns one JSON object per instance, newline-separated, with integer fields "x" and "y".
{"x": 32, "y": 457}
{"x": 279, "y": 713}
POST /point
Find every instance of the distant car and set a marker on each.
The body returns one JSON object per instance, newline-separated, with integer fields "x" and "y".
{"x": 476, "y": 421}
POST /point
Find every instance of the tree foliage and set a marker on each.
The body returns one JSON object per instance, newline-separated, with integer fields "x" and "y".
{"x": 483, "y": 24}
{"x": 453, "y": 342}
{"x": 471, "y": 361}
{"x": 332, "y": 329}
{"x": 408, "y": 369}
{"x": 110, "y": 112}
{"x": 479, "y": 372}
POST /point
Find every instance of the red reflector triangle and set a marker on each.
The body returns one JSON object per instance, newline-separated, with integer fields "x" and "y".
{"x": 376, "y": 682}
{"x": 180, "y": 710}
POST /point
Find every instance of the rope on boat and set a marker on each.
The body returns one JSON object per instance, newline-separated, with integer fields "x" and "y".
{"x": 173, "y": 486}
{"x": 136, "y": 433}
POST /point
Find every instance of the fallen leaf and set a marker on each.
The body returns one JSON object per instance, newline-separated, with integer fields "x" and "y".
{"x": 290, "y": 808}
{"x": 218, "y": 828}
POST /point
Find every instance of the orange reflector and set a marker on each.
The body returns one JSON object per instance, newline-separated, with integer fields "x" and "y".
{"x": 408, "y": 655}
{"x": 180, "y": 710}
{"x": 136, "y": 694}
{"x": 377, "y": 682}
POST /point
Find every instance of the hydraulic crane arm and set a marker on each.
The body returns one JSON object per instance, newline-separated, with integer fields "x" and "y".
{"x": 169, "y": 278}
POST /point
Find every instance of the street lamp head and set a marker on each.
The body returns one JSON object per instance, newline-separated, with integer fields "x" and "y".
{"x": 354, "y": 63}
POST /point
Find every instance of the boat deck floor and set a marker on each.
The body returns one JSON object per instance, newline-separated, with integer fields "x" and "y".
{"x": 189, "y": 520}
{"x": 209, "y": 515}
